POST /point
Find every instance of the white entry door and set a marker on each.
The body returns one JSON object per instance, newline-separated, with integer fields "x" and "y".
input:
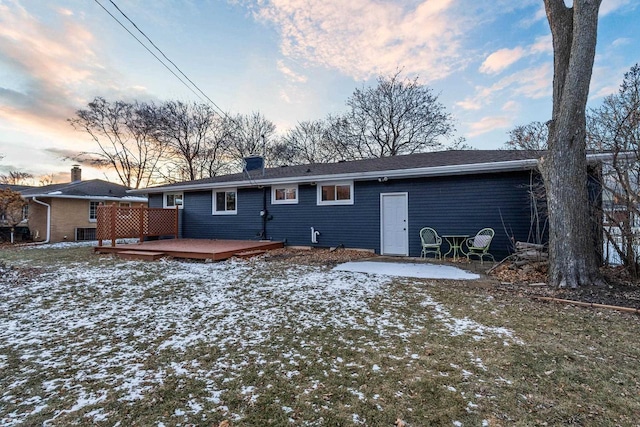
{"x": 394, "y": 234}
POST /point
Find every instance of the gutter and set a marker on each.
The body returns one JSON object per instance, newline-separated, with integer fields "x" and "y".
{"x": 93, "y": 198}
{"x": 48, "y": 220}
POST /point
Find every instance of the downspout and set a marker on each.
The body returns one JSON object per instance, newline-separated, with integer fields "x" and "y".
{"x": 264, "y": 214}
{"x": 48, "y": 220}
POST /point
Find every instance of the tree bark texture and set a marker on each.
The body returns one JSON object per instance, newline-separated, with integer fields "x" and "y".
{"x": 572, "y": 256}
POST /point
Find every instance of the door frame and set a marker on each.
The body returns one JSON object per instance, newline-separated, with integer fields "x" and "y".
{"x": 406, "y": 210}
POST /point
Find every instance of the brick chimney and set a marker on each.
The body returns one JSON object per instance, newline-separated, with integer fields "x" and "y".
{"x": 76, "y": 173}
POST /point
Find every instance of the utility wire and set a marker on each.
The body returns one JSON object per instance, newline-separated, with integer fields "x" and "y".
{"x": 149, "y": 50}
{"x": 167, "y": 58}
{"x": 200, "y": 93}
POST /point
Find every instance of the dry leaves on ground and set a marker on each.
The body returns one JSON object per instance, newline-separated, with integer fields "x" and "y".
{"x": 318, "y": 256}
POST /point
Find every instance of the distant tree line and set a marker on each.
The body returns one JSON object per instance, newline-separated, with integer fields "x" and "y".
{"x": 147, "y": 143}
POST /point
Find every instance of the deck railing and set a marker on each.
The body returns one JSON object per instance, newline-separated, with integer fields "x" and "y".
{"x": 121, "y": 222}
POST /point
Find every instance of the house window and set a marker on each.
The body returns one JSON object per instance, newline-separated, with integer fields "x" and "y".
{"x": 124, "y": 213}
{"x": 225, "y": 202}
{"x": 339, "y": 193}
{"x": 284, "y": 195}
{"x": 25, "y": 212}
{"x": 93, "y": 211}
{"x": 171, "y": 200}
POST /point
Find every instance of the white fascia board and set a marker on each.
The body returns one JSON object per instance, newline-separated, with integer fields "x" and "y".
{"x": 512, "y": 165}
{"x": 94, "y": 198}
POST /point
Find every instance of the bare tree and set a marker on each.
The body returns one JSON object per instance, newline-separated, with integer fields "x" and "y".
{"x": 316, "y": 141}
{"x": 216, "y": 159}
{"x": 398, "y": 116}
{"x": 459, "y": 143}
{"x": 250, "y": 134}
{"x": 615, "y": 127}
{"x": 301, "y": 144}
{"x": 195, "y": 140}
{"x": 12, "y": 208}
{"x": 16, "y": 178}
{"x": 532, "y": 136}
{"x": 572, "y": 258}
{"x": 46, "y": 179}
{"x": 124, "y": 133}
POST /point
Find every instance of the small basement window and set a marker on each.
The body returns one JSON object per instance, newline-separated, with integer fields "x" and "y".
{"x": 338, "y": 193}
{"x": 284, "y": 195}
{"x": 171, "y": 200}
{"x": 225, "y": 202}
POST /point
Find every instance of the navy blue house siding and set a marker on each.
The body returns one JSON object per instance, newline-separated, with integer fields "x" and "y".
{"x": 451, "y": 205}
{"x": 156, "y": 201}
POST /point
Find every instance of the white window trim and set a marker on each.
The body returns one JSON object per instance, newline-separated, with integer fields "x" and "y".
{"x": 98, "y": 204}
{"x": 284, "y": 202}
{"x": 213, "y": 201}
{"x": 25, "y": 219}
{"x": 321, "y": 202}
{"x": 179, "y": 195}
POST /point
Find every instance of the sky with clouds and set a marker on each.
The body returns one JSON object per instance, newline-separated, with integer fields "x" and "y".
{"x": 491, "y": 62}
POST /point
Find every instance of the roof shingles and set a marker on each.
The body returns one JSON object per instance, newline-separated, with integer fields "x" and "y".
{"x": 95, "y": 188}
{"x": 384, "y": 164}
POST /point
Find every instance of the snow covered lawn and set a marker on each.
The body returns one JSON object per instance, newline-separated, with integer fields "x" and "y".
{"x": 87, "y": 339}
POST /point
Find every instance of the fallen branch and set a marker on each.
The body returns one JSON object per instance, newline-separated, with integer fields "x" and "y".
{"x": 510, "y": 257}
{"x": 589, "y": 304}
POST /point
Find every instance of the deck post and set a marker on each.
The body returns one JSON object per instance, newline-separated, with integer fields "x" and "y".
{"x": 99, "y": 215}
{"x": 177, "y": 222}
{"x": 113, "y": 224}
{"x": 141, "y": 216}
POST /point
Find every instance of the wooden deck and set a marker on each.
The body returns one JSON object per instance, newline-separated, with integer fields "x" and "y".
{"x": 191, "y": 248}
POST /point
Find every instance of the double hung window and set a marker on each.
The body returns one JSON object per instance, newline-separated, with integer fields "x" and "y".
{"x": 284, "y": 194}
{"x": 225, "y": 202}
{"x": 337, "y": 193}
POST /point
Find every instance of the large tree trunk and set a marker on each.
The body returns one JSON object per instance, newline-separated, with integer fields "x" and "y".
{"x": 572, "y": 256}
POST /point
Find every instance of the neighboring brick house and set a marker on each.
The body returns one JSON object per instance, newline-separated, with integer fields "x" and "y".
{"x": 68, "y": 212}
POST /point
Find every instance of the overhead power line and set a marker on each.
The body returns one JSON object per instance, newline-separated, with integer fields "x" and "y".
{"x": 197, "y": 91}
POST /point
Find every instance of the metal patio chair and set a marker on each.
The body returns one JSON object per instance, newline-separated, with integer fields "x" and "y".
{"x": 479, "y": 244}
{"x": 430, "y": 242}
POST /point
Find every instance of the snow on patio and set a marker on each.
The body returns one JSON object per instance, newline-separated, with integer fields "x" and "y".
{"x": 405, "y": 269}
{"x": 82, "y": 334}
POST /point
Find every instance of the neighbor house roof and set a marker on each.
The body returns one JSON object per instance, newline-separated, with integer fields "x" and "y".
{"x": 453, "y": 162}
{"x": 14, "y": 187}
{"x": 94, "y": 189}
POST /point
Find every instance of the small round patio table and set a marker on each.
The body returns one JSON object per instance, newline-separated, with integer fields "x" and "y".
{"x": 455, "y": 244}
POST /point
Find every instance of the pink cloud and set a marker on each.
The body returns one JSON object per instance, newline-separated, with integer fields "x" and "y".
{"x": 533, "y": 83}
{"x": 501, "y": 59}
{"x": 363, "y": 38}
{"x": 488, "y": 124}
